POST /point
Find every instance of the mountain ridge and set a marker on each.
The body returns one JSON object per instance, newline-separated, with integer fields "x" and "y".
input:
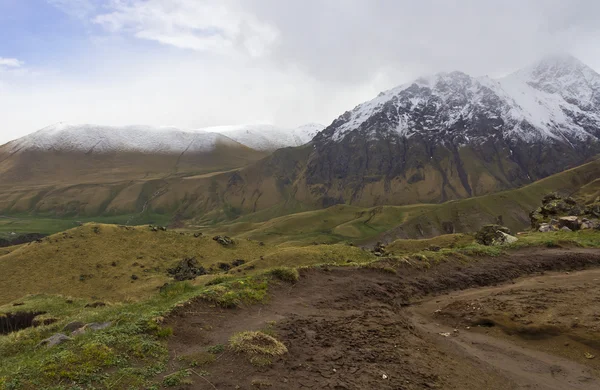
{"x": 446, "y": 137}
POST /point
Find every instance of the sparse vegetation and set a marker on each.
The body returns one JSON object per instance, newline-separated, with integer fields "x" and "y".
{"x": 178, "y": 378}
{"x": 259, "y": 347}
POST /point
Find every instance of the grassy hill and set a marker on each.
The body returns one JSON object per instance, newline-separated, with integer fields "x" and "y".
{"x": 98, "y": 261}
{"x": 387, "y": 223}
{"x": 295, "y": 223}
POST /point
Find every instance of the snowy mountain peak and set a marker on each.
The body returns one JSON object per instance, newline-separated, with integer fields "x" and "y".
{"x": 265, "y": 137}
{"x": 557, "y": 98}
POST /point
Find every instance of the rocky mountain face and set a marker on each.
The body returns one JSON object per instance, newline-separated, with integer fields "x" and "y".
{"x": 454, "y": 136}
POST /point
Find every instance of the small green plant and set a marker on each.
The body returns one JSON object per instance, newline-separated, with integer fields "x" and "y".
{"x": 259, "y": 347}
{"x": 177, "y": 378}
{"x": 551, "y": 244}
{"x": 199, "y": 359}
{"x": 216, "y": 349}
{"x": 285, "y": 274}
{"x": 164, "y": 332}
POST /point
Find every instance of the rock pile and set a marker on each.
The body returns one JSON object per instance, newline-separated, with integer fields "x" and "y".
{"x": 224, "y": 240}
{"x": 187, "y": 269}
{"x": 559, "y": 213}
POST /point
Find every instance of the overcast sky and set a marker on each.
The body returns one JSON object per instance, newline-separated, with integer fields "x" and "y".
{"x": 196, "y": 63}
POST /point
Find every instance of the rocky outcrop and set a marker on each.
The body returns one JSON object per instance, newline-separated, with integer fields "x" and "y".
{"x": 187, "y": 269}
{"x": 493, "y": 235}
{"x": 558, "y": 213}
{"x": 224, "y": 240}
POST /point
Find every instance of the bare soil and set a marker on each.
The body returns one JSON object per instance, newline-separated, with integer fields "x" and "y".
{"x": 349, "y": 328}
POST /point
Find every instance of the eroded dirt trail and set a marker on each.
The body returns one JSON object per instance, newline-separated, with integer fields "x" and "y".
{"x": 365, "y": 329}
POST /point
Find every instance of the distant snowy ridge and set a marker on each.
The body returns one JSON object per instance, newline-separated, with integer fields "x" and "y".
{"x": 147, "y": 139}
{"x": 557, "y": 98}
{"x": 268, "y": 137}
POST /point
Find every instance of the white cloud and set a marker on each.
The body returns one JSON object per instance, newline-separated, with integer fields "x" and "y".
{"x": 10, "y": 62}
{"x": 202, "y": 25}
{"x": 81, "y": 9}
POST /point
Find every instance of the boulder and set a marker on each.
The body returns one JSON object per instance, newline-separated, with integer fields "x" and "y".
{"x": 91, "y": 327}
{"x": 588, "y": 224}
{"x": 54, "y": 340}
{"x": 572, "y": 222}
{"x": 379, "y": 249}
{"x": 224, "y": 240}
{"x": 73, "y": 326}
{"x": 187, "y": 269}
{"x": 492, "y": 235}
{"x": 547, "y": 227}
{"x": 508, "y": 239}
{"x": 565, "y": 229}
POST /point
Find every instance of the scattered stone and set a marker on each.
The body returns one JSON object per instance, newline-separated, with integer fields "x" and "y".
{"x": 54, "y": 340}
{"x": 196, "y": 235}
{"x": 187, "y": 269}
{"x": 114, "y": 264}
{"x": 73, "y": 326}
{"x": 435, "y": 248}
{"x": 261, "y": 244}
{"x": 565, "y": 229}
{"x": 379, "y": 249}
{"x": 445, "y": 334}
{"x": 224, "y": 240}
{"x": 18, "y": 304}
{"x": 134, "y": 277}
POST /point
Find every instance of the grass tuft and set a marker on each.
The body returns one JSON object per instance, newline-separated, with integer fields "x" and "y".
{"x": 285, "y": 274}
{"x": 259, "y": 347}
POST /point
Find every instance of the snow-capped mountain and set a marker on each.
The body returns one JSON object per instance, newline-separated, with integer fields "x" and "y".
{"x": 147, "y": 139}
{"x": 101, "y": 139}
{"x": 268, "y": 137}
{"x": 557, "y": 98}
{"x": 452, "y": 135}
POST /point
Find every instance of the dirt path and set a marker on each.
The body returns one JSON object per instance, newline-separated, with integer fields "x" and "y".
{"x": 363, "y": 329}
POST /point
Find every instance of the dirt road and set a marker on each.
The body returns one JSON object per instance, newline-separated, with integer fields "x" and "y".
{"x": 364, "y": 329}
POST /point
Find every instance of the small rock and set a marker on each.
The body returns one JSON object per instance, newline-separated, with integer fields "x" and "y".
{"x": 53, "y": 340}
{"x": 196, "y": 235}
{"x": 134, "y": 277}
{"x": 565, "y": 229}
{"x": 588, "y": 355}
{"x": 73, "y": 326}
{"x": 384, "y": 376}
{"x": 445, "y": 334}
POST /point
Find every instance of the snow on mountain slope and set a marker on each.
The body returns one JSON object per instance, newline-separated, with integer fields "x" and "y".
{"x": 265, "y": 137}
{"x": 557, "y": 98}
{"x": 100, "y": 139}
{"x": 147, "y": 139}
